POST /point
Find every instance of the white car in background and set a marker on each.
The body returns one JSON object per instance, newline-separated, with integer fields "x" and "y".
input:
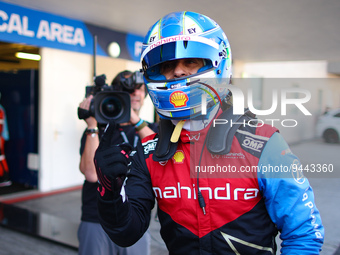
{"x": 328, "y": 126}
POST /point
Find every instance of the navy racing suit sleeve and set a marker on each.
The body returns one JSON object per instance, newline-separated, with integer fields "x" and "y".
{"x": 289, "y": 199}
{"x": 127, "y": 218}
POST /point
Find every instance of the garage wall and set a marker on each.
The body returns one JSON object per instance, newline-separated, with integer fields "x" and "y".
{"x": 63, "y": 78}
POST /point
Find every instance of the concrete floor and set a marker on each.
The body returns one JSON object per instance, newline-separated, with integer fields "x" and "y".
{"x": 15, "y": 243}
{"x": 60, "y": 212}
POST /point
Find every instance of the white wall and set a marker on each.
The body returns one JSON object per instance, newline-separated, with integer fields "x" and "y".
{"x": 289, "y": 69}
{"x": 63, "y": 77}
{"x": 311, "y": 76}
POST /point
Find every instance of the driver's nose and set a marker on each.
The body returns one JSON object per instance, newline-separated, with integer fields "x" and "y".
{"x": 180, "y": 69}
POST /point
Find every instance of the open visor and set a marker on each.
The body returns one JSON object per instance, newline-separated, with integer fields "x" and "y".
{"x": 155, "y": 55}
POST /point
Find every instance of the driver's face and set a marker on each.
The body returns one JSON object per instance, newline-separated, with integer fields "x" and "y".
{"x": 181, "y": 67}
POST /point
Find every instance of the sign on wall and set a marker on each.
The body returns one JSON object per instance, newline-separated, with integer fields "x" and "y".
{"x": 22, "y": 25}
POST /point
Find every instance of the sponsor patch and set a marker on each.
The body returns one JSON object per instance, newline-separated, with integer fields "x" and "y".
{"x": 150, "y": 146}
{"x": 253, "y": 143}
{"x": 178, "y": 157}
{"x": 297, "y": 173}
{"x": 179, "y": 99}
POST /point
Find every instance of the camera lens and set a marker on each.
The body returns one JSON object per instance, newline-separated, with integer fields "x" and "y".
{"x": 111, "y": 107}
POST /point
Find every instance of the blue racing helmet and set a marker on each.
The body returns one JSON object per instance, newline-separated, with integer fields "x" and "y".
{"x": 181, "y": 35}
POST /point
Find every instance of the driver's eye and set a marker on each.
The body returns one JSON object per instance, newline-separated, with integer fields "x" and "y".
{"x": 191, "y": 61}
{"x": 167, "y": 66}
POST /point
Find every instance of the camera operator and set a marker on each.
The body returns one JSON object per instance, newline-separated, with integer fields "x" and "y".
{"x": 92, "y": 238}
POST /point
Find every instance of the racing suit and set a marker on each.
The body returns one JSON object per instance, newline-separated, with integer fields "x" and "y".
{"x": 3, "y": 137}
{"x": 245, "y": 206}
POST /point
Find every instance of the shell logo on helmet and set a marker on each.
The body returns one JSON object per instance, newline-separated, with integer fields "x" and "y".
{"x": 178, "y": 99}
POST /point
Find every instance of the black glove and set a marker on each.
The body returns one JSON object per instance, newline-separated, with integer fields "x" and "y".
{"x": 83, "y": 114}
{"x": 112, "y": 164}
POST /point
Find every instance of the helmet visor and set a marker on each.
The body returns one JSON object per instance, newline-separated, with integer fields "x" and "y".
{"x": 154, "y": 56}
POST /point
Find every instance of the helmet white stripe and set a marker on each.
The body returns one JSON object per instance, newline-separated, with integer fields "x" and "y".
{"x": 176, "y": 38}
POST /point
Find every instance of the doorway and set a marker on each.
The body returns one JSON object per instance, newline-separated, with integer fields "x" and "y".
{"x": 19, "y": 90}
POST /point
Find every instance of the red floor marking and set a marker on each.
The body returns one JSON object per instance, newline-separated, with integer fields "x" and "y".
{"x": 38, "y": 195}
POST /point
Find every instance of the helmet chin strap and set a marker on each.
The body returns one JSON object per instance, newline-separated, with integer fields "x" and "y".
{"x": 177, "y": 131}
{"x": 192, "y": 124}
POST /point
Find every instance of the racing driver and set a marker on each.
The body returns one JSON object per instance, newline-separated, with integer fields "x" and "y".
{"x": 192, "y": 167}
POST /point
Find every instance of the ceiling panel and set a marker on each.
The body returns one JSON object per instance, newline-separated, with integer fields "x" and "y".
{"x": 258, "y": 30}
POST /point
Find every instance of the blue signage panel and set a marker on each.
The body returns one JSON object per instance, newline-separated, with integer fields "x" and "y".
{"x": 22, "y": 25}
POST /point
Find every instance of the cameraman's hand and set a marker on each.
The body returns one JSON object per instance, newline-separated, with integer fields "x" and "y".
{"x": 134, "y": 118}
{"x": 112, "y": 164}
{"x": 84, "y": 113}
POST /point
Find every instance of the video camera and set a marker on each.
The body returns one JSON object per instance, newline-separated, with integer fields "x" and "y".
{"x": 112, "y": 102}
{"x": 134, "y": 81}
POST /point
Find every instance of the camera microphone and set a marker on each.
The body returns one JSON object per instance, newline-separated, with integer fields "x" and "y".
{"x": 100, "y": 80}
